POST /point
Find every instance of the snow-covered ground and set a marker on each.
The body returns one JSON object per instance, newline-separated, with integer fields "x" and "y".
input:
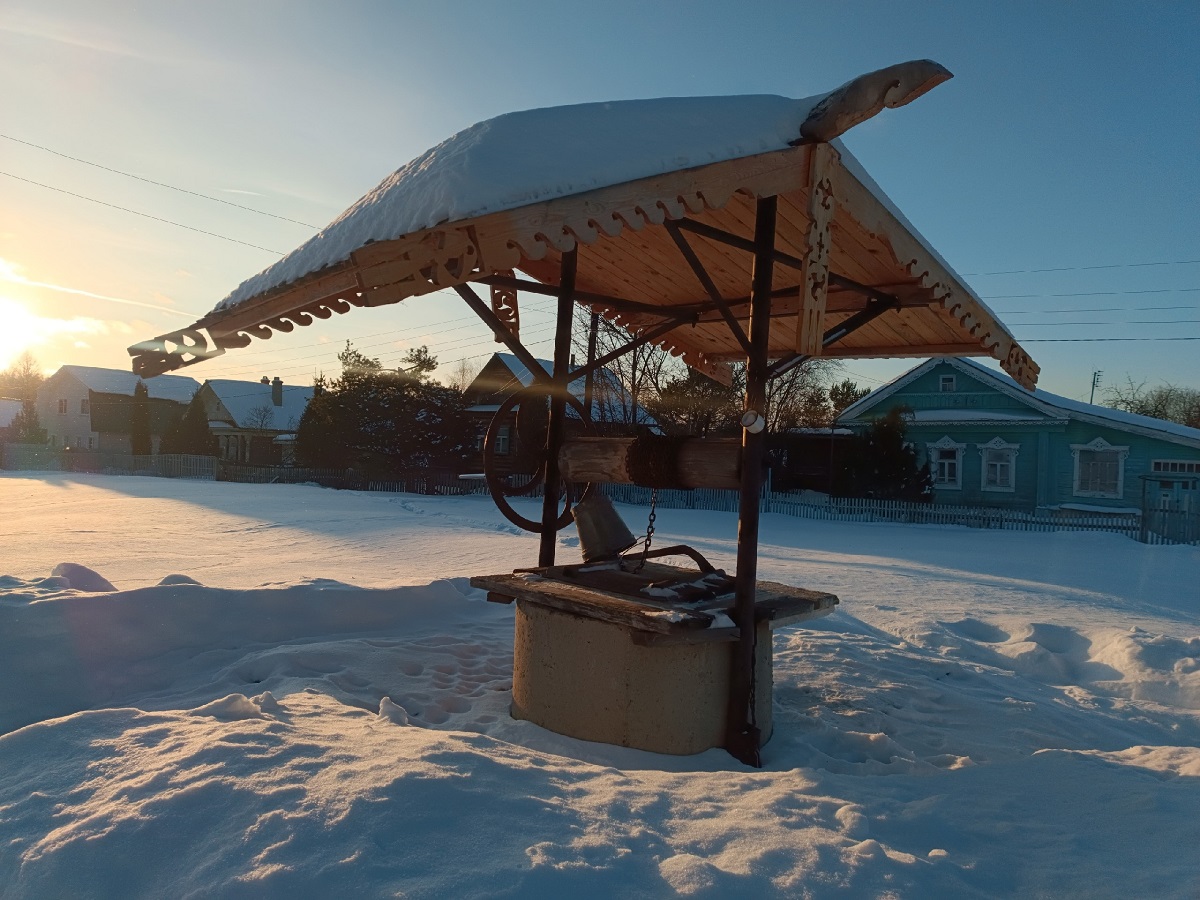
{"x": 292, "y": 692}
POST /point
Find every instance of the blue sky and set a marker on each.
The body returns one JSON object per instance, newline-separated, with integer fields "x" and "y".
{"x": 1067, "y": 141}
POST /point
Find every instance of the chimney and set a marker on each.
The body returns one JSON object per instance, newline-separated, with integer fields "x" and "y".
{"x": 264, "y": 380}
{"x": 277, "y": 391}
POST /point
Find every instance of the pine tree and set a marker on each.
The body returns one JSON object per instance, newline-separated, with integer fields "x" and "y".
{"x": 189, "y": 433}
{"x": 26, "y": 427}
{"x": 879, "y": 464}
{"x": 139, "y": 421}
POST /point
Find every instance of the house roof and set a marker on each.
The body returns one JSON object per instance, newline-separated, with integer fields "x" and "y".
{"x": 518, "y": 191}
{"x": 244, "y": 399}
{"x": 179, "y": 388}
{"x": 610, "y": 400}
{"x": 1048, "y": 406}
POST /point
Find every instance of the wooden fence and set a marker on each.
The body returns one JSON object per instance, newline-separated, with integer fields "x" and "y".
{"x": 1154, "y": 527}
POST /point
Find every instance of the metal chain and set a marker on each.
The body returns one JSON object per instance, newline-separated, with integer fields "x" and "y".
{"x": 649, "y": 530}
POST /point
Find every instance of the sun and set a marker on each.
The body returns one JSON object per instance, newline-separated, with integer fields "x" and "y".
{"x": 18, "y": 330}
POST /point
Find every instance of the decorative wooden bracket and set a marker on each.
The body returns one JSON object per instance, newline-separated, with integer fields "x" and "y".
{"x": 867, "y": 95}
{"x": 814, "y": 281}
{"x": 504, "y": 305}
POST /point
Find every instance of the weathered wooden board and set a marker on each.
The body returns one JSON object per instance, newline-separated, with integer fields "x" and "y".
{"x": 656, "y": 620}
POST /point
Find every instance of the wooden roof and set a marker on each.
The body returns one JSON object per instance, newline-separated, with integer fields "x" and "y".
{"x": 841, "y": 248}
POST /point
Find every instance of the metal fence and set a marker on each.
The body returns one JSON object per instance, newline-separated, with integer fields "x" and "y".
{"x": 1153, "y": 527}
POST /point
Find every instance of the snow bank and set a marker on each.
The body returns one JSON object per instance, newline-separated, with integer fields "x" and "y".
{"x": 989, "y": 714}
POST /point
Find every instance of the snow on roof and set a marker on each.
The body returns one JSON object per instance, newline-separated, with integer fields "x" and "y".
{"x": 610, "y": 400}
{"x": 8, "y": 411}
{"x": 1049, "y": 404}
{"x": 540, "y": 154}
{"x": 970, "y": 415}
{"x": 179, "y": 388}
{"x": 1077, "y": 409}
{"x": 243, "y": 400}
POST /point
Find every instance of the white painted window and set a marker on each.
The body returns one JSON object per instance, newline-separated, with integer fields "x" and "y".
{"x": 502, "y": 441}
{"x": 998, "y": 460}
{"x": 1099, "y": 469}
{"x": 1186, "y": 466}
{"x": 945, "y": 463}
{"x": 62, "y": 407}
{"x": 946, "y": 384}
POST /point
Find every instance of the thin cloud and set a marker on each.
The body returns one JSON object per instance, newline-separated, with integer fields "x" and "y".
{"x": 8, "y": 272}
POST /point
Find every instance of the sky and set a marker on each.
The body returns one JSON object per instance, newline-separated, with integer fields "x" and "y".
{"x": 1056, "y": 171}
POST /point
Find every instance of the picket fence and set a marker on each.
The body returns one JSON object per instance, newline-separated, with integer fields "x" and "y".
{"x": 1154, "y": 527}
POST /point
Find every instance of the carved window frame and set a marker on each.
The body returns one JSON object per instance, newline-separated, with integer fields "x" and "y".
{"x": 998, "y": 445}
{"x": 945, "y": 443}
{"x": 1099, "y": 445}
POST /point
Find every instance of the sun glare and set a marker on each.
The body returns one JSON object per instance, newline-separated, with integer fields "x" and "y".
{"x": 22, "y": 329}
{"x": 18, "y": 330}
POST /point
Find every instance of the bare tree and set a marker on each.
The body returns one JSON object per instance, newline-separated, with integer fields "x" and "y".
{"x": 461, "y": 374}
{"x": 1165, "y": 401}
{"x": 22, "y": 379}
{"x": 639, "y": 373}
{"x": 261, "y": 418}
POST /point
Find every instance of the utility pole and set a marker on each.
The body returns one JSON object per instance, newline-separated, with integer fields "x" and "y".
{"x": 1095, "y": 381}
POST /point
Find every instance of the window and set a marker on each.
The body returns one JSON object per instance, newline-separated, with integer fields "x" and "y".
{"x": 83, "y": 406}
{"x": 1099, "y": 469}
{"x": 946, "y": 384}
{"x": 999, "y": 462}
{"x": 1175, "y": 465}
{"x": 945, "y": 463}
{"x": 502, "y": 441}
{"x": 62, "y": 407}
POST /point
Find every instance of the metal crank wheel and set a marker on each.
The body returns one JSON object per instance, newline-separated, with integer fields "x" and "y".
{"x": 500, "y": 490}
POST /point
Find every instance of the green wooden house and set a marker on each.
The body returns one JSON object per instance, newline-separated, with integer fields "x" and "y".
{"x": 990, "y": 442}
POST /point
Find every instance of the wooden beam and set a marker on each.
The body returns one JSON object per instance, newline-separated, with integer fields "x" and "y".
{"x": 699, "y": 462}
{"x": 742, "y": 737}
{"x": 814, "y": 282}
{"x": 502, "y": 333}
{"x": 868, "y": 95}
{"x": 706, "y": 282}
{"x": 558, "y": 406}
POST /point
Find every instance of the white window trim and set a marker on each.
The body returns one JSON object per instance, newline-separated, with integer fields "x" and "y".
{"x": 945, "y": 443}
{"x": 947, "y": 384}
{"x": 997, "y": 443}
{"x": 1100, "y": 445}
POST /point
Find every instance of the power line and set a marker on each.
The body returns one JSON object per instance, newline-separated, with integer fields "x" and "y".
{"x": 157, "y": 183}
{"x": 1141, "y": 265}
{"x": 1039, "y": 312}
{"x": 142, "y": 214}
{"x": 1093, "y": 293}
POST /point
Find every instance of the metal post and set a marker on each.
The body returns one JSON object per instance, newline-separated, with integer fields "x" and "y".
{"x": 558, "y": 404}
{"x": 742, "y": 736}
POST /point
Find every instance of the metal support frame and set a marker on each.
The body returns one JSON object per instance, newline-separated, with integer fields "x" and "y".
{"x": 693, "y": 261}
{"x": 742, "y": 736}
{"x": 558, "y": 405}
{"x": 873, "y": 310}
{"x": 509, "y": 339}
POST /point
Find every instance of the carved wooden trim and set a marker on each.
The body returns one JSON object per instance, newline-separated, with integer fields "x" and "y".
{"x": 814, "y": 281}
{"x": 504, "y": 305}
{"x": 949, "y": 294}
